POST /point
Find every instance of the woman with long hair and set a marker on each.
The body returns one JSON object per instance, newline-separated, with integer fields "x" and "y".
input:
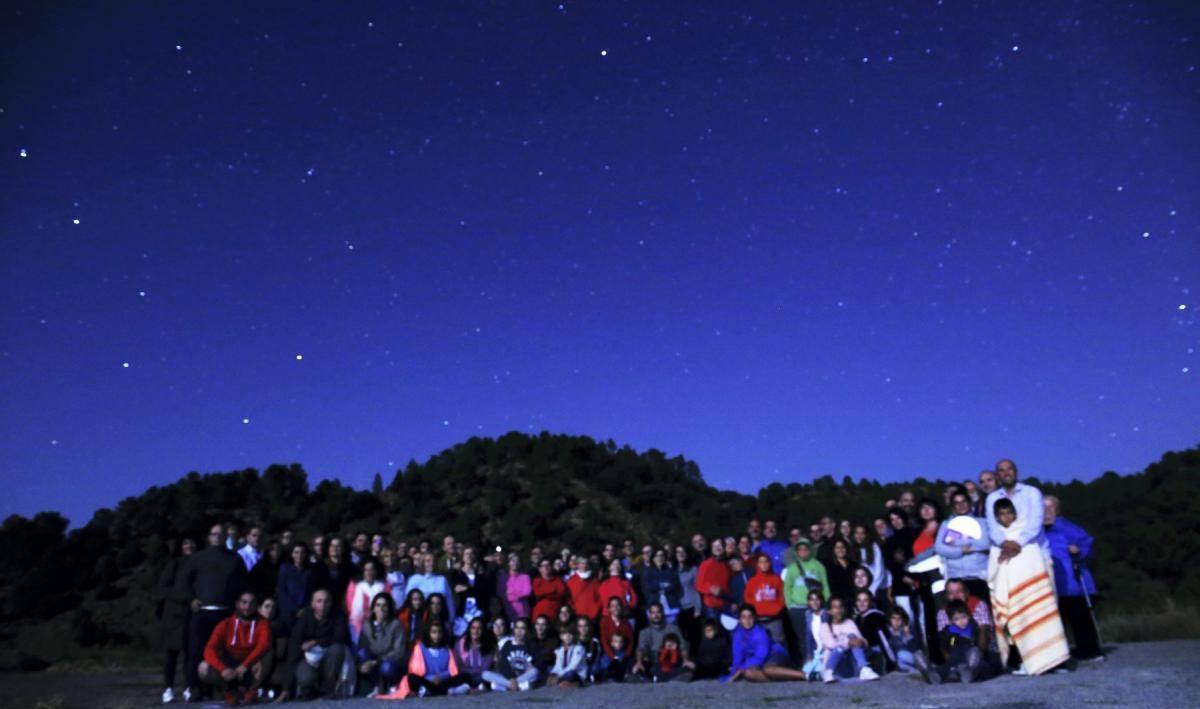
{"x": 840, "y": 570}
{"x": 475, "y": 652}
{"x": 432, "y": 669}
{"x": 870, "y": 555}
{"x": 413, "y": 616}
{"x": 382, "y": 645}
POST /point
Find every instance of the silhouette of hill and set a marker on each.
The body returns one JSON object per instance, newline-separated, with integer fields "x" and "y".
{"x": 93, "y": 586}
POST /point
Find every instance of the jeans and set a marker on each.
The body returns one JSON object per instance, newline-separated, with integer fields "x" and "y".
{"x": 386, "y": 674}
{"x": 905, "y": 661}
{"x": 838, "y": 656}
{"x": 500, "y": 683}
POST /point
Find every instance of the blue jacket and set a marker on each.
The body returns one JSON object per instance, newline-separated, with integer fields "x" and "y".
{"x": 774, "y": 548}
{"x": 752, "y": 648}
{"x": 1060, "y": 535}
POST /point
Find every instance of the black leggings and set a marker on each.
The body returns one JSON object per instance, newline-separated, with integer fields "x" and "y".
{"x": 416, "y": 682}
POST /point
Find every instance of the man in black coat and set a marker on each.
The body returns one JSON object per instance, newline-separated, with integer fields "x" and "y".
{"x": 213, "y": 580}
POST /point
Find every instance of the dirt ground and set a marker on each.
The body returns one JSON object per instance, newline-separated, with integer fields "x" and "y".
{"x": 1160, "y": 674}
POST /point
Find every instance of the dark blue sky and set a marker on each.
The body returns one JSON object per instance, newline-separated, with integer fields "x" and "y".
{"x": 782, "y": 239}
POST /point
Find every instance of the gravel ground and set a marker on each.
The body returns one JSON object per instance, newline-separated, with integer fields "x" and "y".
{"x": 1162, "y": 674}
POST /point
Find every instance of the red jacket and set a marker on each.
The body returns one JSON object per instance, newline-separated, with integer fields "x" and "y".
{"x": 618, "y": 587}
{"x": 585, "y": 596}
{"x": 244, "y": 642}
{"x": 713, "y": 573}
{"x": 609, "y": 628}
{"x": 551, "y": 594}
{"x": 765, "y": 593}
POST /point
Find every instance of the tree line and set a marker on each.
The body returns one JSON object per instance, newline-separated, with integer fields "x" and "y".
{"x": 519, "y": 489}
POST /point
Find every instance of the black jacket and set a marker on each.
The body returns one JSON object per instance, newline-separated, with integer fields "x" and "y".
{"x": 216, "y": 576}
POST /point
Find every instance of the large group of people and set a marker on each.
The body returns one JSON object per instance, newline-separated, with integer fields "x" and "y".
{"x": 960, "y": 597}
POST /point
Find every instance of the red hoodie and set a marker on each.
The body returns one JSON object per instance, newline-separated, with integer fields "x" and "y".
{"x": 237, "y": 640}
{"x": 713, "y": 573}
{"x": 585, "y": 596}
{"x": 765, "y": 593}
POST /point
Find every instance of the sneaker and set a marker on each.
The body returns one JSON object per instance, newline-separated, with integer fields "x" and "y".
{"x": 421, "y": 692}
{"x": 967, "y": 675}
{"x": 231, "y": 699}
{"x": 524, "y": 686}
{"x": 1020, "y": 672}
{"x": 187, "y": 694}
{"x": 459, "y": 690}
{"x": 827, "y": 677}
{"x": 867, "y": 674}
{"x": 249, "y": 697}
{"x": 932, "y": 676}
{"x": 168, "y": 695}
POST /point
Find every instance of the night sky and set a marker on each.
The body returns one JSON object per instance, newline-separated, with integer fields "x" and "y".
{"x": 780, "y": 239}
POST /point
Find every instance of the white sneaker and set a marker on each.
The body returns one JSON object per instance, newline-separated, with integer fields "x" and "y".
{"x": 187, "y": 694}
{"x": 459, "y": 690}
{"x": 867, "y": 673}
{"x": 524, "y": 686}
{"x": 1021, "y": 671}
{"x": 168, "y": 695}
{"x": 827, "y": 677}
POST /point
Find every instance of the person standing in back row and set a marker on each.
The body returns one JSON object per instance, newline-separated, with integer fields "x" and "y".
{"x": 1070, "y": 550}
{"x": 214, "y": 578}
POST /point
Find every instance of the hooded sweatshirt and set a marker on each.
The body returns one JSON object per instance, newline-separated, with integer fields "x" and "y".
{"x": 765, "y": 593}
{"x": 796, "y": 581}
{"x": 237, "y": 643}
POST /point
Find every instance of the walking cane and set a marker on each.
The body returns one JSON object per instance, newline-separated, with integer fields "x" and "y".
{"x": 1087, "y": 597}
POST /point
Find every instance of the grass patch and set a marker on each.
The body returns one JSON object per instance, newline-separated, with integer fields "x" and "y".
{"x": 1170, "y": 624}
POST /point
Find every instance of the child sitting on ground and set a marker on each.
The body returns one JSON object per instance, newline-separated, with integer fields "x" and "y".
{"x": 903, "y": 648}
{"x": 670, "y": 659}
{"x": 614, "y": 665}
{"x": 962, "y": 647}
{"x": 714, "y": 656}
{"x": 570, "y": 661}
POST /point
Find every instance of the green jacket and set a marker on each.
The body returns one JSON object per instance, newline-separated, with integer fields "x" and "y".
{"x": 795, "y": 581}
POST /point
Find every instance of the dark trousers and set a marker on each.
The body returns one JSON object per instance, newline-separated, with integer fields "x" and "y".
{"x": 169, "y": 663}
{"x": 199, "y": 629}
{"x": 1075, "y": 612}
{"x": 387, "y": 673}
{"x": 416, "y": 682}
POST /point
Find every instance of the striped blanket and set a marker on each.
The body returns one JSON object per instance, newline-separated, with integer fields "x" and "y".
{"x": 1026, "y": 611}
